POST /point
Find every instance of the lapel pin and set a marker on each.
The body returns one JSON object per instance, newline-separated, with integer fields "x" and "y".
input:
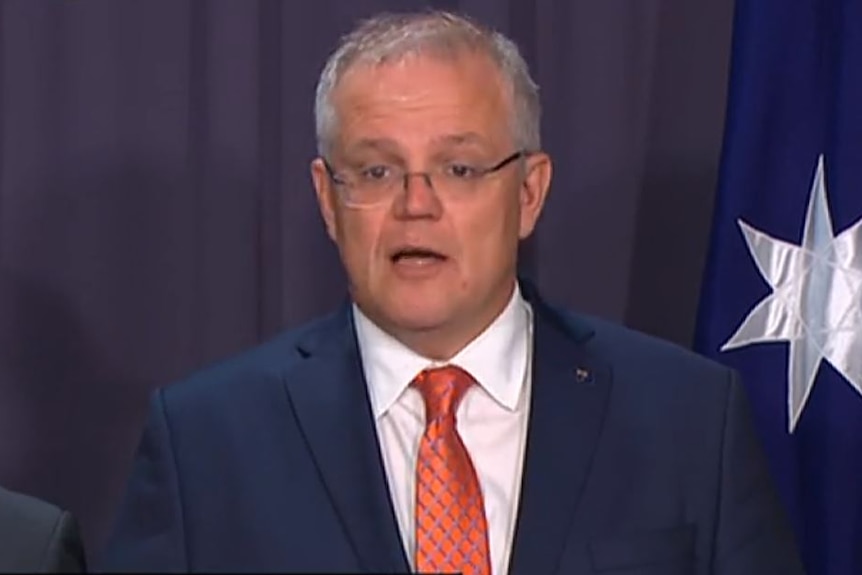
{"x": 583, "y": 375}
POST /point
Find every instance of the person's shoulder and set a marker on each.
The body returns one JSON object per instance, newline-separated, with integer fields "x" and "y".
{"x": 618, "y": 337}
{"x": 657, "y": 383}
{"x": 36, "y": 535}
{"x": 261, "y": 365}
{"x": 27, "y": 512}
{"x": 617, "y": 344}
{"x": 629, "y": 351}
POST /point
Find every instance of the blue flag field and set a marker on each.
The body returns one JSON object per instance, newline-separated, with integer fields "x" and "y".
{"x": 782, "y": 291}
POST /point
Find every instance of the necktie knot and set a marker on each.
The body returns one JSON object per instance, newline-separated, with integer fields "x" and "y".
{"x": 442, "y": 389}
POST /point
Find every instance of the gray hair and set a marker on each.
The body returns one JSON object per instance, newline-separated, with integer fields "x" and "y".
{"x": 389, "y": 37}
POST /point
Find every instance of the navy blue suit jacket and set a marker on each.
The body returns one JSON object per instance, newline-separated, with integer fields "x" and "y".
{"x": 641, "y": 459}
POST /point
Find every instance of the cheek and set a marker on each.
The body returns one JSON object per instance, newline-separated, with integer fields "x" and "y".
{"x": 358, "y": 239}
{"x": 490, "y": 233}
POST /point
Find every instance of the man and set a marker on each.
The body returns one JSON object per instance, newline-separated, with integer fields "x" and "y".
{"x": 37, "y": 537}
{"x": 447, "y": 419}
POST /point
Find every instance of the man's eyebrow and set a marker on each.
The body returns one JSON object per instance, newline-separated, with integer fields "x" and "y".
{"x": 392, "y": 147}
{"x": 461, "y": 138}
{"x": 384, "y": 144}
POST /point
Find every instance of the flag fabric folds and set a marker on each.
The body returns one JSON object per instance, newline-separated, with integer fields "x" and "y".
{"x": 781, "y": 297}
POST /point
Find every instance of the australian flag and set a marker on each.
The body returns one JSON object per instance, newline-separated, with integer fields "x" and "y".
{"x": 782, "y": 290}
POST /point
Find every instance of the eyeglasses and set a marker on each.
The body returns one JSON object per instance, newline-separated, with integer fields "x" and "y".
{"x": 380, "y": 183}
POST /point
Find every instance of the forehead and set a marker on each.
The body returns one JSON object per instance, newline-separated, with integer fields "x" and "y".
{"x": 424, "y": 98}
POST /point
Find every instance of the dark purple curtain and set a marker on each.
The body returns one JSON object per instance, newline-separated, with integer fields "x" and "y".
{"x": 156, "y": 212}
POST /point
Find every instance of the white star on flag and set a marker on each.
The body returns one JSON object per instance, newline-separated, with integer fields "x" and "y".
{"x": 815, "y": 301}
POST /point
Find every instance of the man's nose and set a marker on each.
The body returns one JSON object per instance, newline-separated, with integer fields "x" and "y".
{"x": 418, "y": 197}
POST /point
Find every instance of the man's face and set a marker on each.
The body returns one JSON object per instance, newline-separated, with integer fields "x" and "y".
{"x": 432, "y": 268}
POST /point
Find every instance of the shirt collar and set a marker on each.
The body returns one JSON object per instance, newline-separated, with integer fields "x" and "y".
{"x": 497, "y": 358}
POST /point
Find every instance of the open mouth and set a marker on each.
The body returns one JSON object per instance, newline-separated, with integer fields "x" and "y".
{"x": 415, "y": 255}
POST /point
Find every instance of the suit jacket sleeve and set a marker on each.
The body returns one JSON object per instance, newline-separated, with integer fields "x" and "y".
{"x": 149, "y": 533}
{"x": 65, "y": 550}
{"x": 753, "y": 535}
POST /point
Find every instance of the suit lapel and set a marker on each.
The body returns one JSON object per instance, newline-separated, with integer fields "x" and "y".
{"x": 330, "y": 400}
{"x": 569, "y": 393}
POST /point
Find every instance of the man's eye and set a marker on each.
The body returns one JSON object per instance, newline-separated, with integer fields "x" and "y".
{"x": 376, "y": 173}
{"x": 462, "y": 171}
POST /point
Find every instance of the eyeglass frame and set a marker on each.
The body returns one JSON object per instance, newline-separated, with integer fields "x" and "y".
{"x": 338, "y": 179}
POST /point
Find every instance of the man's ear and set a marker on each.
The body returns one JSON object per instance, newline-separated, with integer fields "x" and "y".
{"x": 534, "y": 191}
{"x": 324, "y": 189}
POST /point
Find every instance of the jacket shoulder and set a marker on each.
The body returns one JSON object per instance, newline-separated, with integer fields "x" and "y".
{"x": 616, "y": 344}
{"x": 27, "y": 525}
{"x": 652, "y": 374}
{"x": 261, "y": 365}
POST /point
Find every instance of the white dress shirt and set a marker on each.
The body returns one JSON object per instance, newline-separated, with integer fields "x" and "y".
{"x": 492, "y": 417}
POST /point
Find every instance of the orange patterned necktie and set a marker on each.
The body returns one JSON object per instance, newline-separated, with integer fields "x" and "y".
{"x": 451, "y": 529}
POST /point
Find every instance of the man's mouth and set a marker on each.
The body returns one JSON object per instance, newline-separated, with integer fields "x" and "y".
{"x": 416, "y": 255}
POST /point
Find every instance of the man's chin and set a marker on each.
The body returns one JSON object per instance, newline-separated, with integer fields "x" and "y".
{"x": 432, "y": 332}
{"x": 421, "y": 322}
{"x": 418, "y": 321}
